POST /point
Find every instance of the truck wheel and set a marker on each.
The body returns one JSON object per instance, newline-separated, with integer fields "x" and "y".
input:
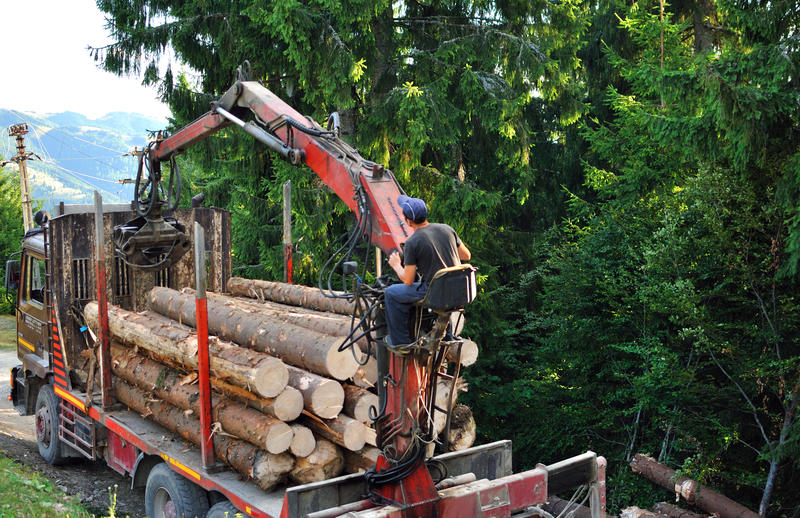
{"x": 47, "y": 426}
{"x": 169, "y": 495}
{"x": 223, "y": 510}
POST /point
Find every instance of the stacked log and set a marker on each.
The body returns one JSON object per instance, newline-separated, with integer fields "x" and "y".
{"x": 287, "y": 403}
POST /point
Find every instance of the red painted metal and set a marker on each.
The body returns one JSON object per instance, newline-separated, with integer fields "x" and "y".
{"x": 201, "y": 128}
{"x": 287, "y": 252}
{"x": 207, "y": 444}
{"x": 121, "y": 455}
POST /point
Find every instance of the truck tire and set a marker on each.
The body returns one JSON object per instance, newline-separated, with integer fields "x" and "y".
{"x": 223, "y": 510}
{"x": 46, "y": 423}
{"x": 169, "y": 495}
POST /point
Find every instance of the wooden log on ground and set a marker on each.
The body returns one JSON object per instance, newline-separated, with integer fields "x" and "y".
{"x": 254, "y": 371}
{"x": 463, "y": 430}
{"x": 358, "y": 401}
{"x": 673, "y": 511}
{"x": 321, "y": 396}
{"x": 692, "y": 491}
{"x": 286, "y": 406}
{"x": 326, "y": 461}
{"x": 293, "y": 294}
{"x": 266, "y": 469}
{"x": 342, "y": 430}
{"x": 264, "y": 431}
{"x": 298, "y": 346}
{"x": 303, "y": 441}
{"x": 361, "y": 460}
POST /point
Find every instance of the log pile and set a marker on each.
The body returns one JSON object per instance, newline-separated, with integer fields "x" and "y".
{"x": 287, "y": 404}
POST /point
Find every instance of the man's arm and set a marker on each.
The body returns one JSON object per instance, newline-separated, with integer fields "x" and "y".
{"x": 407, "y": 274}
{"x": 463, "y": 252}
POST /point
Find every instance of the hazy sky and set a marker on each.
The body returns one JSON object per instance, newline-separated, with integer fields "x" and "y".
{"x": 47, "y": 68}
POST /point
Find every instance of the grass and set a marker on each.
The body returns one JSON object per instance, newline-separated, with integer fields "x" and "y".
{"x": 26, "y": 493}
{"x": 8, "y": 331}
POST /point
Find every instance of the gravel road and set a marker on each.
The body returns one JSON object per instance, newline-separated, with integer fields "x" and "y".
{"x": 89, "y": 480}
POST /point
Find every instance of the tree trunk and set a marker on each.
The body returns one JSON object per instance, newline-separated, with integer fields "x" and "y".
{"x": 292, "y": 294}
{"x": 706, "y": 499}
{"x": 303, "y": 441}
{"x": 310, "y": 350}
{"x": 286, "y": 406}
{"x": 328, "y": 323}
{"x": 370, "y": 436}
{"x": 342, "y": 430}
{"x": 358, "y": 401}
{"x": 361, "y": 460}
{"x": 266, "y": 469}
{"x": 254, "y": 371}
{"x": 326, "y": 461}
{"x": 321, "y": 396}
{"x": 462, "y": 428}
{"x": 266, "y": 432}
{"x": 559, "y": 507}
{"x": 636, "y": 512}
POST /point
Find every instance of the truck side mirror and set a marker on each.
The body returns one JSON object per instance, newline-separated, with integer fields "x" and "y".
{"x": 12, "y": 275}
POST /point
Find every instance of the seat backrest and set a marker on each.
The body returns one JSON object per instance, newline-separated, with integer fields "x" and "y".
{"x": 451, "y": 288}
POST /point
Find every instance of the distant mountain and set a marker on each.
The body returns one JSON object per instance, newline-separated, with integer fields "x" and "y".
{"x": 79, "y": 154}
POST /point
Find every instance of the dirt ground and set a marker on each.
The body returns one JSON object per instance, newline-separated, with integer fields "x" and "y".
{"x": 89, "y": 480}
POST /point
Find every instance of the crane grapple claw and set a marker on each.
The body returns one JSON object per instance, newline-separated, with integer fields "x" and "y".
{"x": 153, "y": 244}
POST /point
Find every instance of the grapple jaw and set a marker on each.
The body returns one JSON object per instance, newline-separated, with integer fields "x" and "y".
{"x": 151, "y": 244}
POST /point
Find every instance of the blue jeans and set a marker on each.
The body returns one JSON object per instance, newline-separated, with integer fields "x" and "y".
{"x": 398, "y": 299}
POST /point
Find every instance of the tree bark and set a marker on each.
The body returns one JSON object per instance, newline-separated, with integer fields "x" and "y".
{"x": 286, "y": 406}
{"x": 358, "y": 401}
{"x": 321, "y": 396}
{"x": 248, "y": 369}
{"x": 266, "y": 432}
{"x": 557, "y": 506}
{"x": 706, "y": 499}
{"x": 301, "y": 347}
{"x": 361, "y": 460}
{"x": 636, "y": 512}
{"x": 266, "y": 469}
{"x": 292, "y": 294}
{"x": 326, "y": 461}
{"x": 342, "y": 430}
{"x": 303, "y": 441}
{"x": 328, "y": 323}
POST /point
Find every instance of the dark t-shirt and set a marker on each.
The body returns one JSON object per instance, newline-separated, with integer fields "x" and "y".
{"x": 431, "y": 248}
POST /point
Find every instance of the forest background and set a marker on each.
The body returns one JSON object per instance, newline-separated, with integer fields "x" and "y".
{"x": 627, "y": 175}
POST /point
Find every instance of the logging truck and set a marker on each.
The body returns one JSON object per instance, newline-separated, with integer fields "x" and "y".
{"x": 136, "y": 352}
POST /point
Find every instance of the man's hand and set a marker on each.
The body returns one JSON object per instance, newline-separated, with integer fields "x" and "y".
{"x": 407, "y": 274}
{"x": 395, "y": 262}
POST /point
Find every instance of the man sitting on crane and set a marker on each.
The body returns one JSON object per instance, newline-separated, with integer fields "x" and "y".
{"x": 431, "y": 247}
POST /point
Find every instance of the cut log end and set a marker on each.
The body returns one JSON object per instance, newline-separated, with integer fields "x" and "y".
{"x": 327, "y": 401}
{"x": 326, "y": 461}
{"x": 270, "y": 469}
{"x": 303, "y": 442}
{"x": 279, "y": 438}
{"x": 342, "y": 365}
{"x": 271, "y": 378}
{"x": 288, "y": 405}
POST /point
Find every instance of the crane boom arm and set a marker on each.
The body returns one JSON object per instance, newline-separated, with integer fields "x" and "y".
{"x": 364, "y": 186}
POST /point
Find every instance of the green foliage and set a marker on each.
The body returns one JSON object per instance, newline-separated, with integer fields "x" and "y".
{"x": 11, "y": 223}
{"x": 627, "y": 183}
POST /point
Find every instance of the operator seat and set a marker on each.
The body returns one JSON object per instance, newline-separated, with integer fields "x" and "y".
{"x": 450, "y": 290}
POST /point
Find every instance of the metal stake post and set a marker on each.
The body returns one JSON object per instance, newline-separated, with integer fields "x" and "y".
{"x": 201, "y": 314}
{"x": 102, "y": 302}
{"x": 287, "y": 231}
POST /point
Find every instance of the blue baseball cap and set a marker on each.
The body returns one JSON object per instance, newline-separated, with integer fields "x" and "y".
{"x": 413, "y": 208}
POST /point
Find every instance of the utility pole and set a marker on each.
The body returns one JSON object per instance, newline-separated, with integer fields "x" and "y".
{"x": 19, "y": 131}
